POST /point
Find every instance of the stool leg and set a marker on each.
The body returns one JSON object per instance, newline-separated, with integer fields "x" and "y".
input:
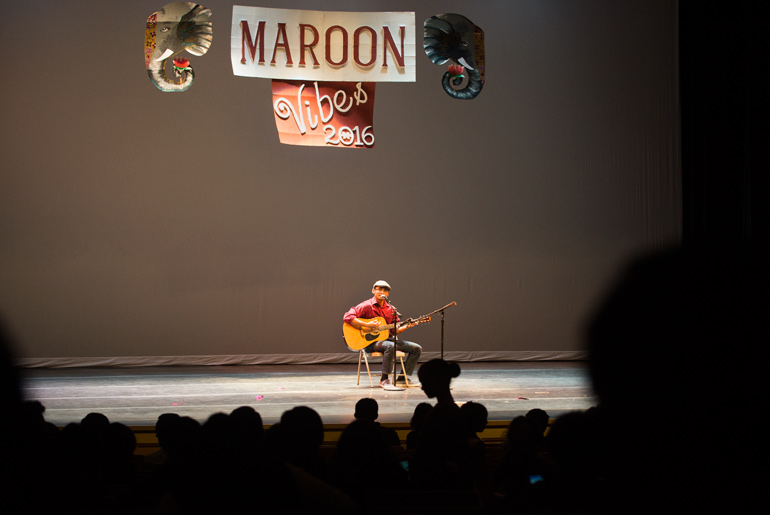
{"x": 403, "y": 372}
{"x": 368, "y": 372}
{"x": 358, "y": 375}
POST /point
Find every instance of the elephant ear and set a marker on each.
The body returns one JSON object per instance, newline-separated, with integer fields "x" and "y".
{"x": 439, "y": 40}
{"x": 448, "y": 36}
{"x": 150, "y": 37}
{"x": 195, "y": 30}
{"x": 480, "y": 52}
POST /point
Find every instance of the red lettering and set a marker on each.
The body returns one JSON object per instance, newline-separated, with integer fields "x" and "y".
{"x": 372, "y": 52}
{"x": 281, "y": 41}
{"x": 344, "y": 45}
{"x": 307, "y": 46}
{"x": 337, "y": 48}
{"x": 392, "y": 44}
{"x": 246, "y": 40}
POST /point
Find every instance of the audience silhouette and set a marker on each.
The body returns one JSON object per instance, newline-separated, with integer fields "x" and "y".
{"x": 441, "y": 457}
{"x": 539, "y": 421}
{"x": 415, "y": 423}
{"x": 674, "y": 340}
{"x": 297, "y": 439}
{"x": 368, "y": 458}
{"x": 475, "y": 417}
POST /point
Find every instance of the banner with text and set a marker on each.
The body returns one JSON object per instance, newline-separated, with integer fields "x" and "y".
{"x": 323, "y": 46}
{"x": 331, "y": 114}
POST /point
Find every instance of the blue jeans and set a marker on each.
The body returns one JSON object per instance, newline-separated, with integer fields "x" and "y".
{"x": 388, "y": 349}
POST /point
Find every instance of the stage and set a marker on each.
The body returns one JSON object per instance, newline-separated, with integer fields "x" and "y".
{"x": 137, "y": 396}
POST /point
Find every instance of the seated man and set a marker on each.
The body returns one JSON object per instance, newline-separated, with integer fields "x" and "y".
{"x": 364, "y": 316}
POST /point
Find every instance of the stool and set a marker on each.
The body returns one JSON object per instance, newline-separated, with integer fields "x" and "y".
{"x": 362, "y": 355}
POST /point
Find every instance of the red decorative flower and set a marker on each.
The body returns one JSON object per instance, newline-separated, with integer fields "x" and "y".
{"x": 456, "y": 70}
{"x": 182, "y": 63}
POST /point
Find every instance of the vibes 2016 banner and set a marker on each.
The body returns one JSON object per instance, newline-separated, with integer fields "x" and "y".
{"x": 324, "y": 66}
{"x": 337, "y": 114}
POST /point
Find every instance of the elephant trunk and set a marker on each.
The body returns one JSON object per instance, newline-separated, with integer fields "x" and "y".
{"x": 157, "y": 72}
{"x": 470, "y": 91}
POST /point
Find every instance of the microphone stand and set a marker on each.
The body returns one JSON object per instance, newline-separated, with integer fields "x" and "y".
{"x": 441, "y": 310}
{"x": 393, "y": 387}
{"x": 442, "y": 334}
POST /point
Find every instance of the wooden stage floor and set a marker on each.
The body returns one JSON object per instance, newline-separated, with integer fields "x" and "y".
{"x": 137, "y": 396}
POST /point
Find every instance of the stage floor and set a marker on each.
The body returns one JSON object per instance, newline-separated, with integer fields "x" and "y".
{"x": 137, "y": 396}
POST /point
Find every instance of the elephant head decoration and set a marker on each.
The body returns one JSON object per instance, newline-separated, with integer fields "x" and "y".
{"x": 176, "y": 27}
{"x": 453, "y": 37}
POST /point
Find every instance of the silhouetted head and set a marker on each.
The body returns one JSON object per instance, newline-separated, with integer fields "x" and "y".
{"x": 248, "y": 429}
{"x": 420, "y": 412}
{"x": 217, "y": 435}
{"x": 539, "y": 420}
{"x": 120, "y": 441}
{"x": 475, "y": 415}
{"x": 520, "y": 436}
{"x": 98, "y": 422}
{"x": 247, "y": 419}
{"x": 367, "y": 410}
{"x": 32, "y": 413}
{"x": 435, "y": 376}
{"x": 303, "y": 425}
{"x": 165, "y": 428}
{"x": 669, "y": 322}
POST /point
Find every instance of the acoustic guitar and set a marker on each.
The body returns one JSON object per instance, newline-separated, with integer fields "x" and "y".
{"x": 357, "y": 339}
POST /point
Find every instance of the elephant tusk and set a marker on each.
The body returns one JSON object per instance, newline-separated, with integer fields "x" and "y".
{"x": 465, "y": 63}
{"x": 168, "y": 53}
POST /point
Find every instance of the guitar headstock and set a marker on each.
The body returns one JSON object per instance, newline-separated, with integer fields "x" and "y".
{"x": 421, "y": 320}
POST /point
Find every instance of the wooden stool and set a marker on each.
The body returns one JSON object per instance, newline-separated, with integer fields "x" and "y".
{"x": 362, "y": 356}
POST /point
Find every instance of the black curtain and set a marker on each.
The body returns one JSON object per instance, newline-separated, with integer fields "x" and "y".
{"x": 723, "y": 54}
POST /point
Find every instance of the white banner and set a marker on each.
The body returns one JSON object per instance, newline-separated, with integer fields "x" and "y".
{"x": 325, "y": 46}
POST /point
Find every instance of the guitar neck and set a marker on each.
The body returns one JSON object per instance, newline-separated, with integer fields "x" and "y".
{"x": 410, "y": 321}
{"x": 393, "y": 325}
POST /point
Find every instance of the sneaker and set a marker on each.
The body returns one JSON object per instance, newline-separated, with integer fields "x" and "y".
{"x": 410, "y": 384}
{"x": 385, "y": 384}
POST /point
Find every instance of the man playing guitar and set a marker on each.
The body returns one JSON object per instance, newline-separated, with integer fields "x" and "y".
{"x": 368, "y": 317}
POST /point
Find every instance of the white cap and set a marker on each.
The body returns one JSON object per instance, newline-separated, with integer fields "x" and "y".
{"x": 381, "y": 284}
